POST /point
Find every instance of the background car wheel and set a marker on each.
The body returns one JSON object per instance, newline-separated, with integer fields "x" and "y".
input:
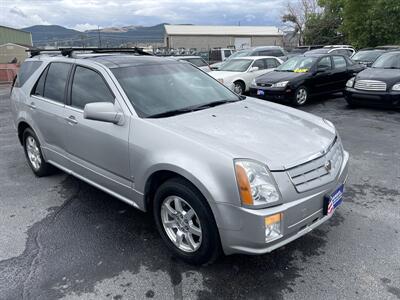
{"x": 185, "y": 222}
{"x": 34, "y": 155}
{"x": 300, "y": 96}
{"x": 238, "y": 87}
{"x": 351, "y": 103}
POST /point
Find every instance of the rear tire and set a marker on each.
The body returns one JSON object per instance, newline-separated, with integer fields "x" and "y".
{"x": 185, "y": 222}
{"x": 33, "y": 153}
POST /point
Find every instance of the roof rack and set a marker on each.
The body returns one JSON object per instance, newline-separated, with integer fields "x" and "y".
{"x": 70, "y": 51}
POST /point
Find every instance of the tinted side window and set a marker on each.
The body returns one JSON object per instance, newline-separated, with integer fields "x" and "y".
{"x": 39, "y": 86}
{"x": 26, "y": 70}
{"x": 339, "y": 62}
{"x": 227, "y": 53}
{"x": 56, "y": 79}
{"x": 199, "y": 62}
{"x": 259, "y": 63}
{"x": 87, "y": 87}
{"x": 271, "y": 52}
{"x": 325, "y": 63}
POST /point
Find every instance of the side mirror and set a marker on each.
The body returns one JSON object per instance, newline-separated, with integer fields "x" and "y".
{"x": 253, "y": 69}
{"x": 102, "y": 111}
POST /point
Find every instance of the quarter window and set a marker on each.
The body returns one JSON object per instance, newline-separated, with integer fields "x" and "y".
{"x": 26, "y": 70}
{"x": 87, "y": 87}
{"x": 339, "y": 62}
{"x": 56, "y": 79}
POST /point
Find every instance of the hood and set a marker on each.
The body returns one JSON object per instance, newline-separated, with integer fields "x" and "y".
{"x": 270, "y": 133}
{"x": 390, "y": 76}
{"x": 223, "y": 74}
{"x": 276, "y": 76}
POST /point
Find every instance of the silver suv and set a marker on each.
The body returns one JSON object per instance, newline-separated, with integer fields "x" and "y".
{"x": 218, "y": 171}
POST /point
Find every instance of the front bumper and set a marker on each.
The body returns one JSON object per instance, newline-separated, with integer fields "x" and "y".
{"x": 273, "y": 94}
{"x": 391, "y": 98}
{"x": 298, "y": 218}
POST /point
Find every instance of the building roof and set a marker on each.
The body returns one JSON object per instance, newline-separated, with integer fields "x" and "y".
{"x": 223, "y": 30}
{"x": 15, "y": 29}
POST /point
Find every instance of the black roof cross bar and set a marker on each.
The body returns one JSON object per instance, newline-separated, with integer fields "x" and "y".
{"x": 70, "y": 51}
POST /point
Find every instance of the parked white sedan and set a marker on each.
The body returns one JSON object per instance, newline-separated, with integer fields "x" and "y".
{"x": 238, "y": 73}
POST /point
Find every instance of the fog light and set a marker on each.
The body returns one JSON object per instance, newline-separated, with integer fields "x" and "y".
{"x": 273, "y": 227}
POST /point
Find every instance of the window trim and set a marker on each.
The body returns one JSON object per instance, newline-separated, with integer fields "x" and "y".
{"x": 71, "y": 81}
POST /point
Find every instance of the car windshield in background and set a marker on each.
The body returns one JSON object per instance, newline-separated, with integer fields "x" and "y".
{"x": 196, "y": 61}
{"x": 168, "y": 89}
{"x": 367, "y": 55}
{"x": 236, "y": 65}
{"x": 389, "y": 60}
{"x": 241, "y": 53}
{"x": 297, "y": 64}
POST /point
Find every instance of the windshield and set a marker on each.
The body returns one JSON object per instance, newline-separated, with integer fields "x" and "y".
{"x": 390, "y": 60}
{"x": 241, "y": 54}
{"x": 160, "y": 88}
{"x": 297, "y": 64}
{"x": 236, "y": 65}
{"x": 367, "y": 55}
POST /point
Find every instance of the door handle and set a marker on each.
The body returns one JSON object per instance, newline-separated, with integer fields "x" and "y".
{"x": 71, "y": 119}
{"x": 32, "y": 105}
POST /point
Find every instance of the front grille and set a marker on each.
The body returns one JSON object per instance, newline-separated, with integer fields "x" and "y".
{"x": 316, "y": 173}
{"x": 370, "y": 85}
{"x": 264, "y": 84}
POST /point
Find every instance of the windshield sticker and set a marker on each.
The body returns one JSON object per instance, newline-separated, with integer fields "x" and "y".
{"x": 300, "y": 70}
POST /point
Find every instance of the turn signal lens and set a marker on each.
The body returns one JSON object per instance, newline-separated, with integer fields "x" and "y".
{"x": 273, "y": 227}
{"x": 272, "y": 219}
{"x": 244, "y": 185}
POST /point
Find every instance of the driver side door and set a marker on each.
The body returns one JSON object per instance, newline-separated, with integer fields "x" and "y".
{"x": 323, "y": 82}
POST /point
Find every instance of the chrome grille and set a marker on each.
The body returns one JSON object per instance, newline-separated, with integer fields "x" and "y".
{"x": 319, "y": 171}
{"x": 370, "y": 85}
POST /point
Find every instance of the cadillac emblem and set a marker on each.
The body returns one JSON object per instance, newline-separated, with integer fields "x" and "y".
{"x": 328, "y": 166}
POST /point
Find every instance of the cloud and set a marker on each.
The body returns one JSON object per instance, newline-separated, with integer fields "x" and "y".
{"x": 87, "y": 14}
{"x": 83, "y": 27}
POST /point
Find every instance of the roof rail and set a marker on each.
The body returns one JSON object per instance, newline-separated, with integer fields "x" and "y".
{"x": 70, "y": 51}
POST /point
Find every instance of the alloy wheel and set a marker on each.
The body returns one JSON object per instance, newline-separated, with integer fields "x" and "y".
{"x": 238, "y": 89}
{"x": 181, "y": 224}
{"x": 301, "y": 96}
{"x": 33, "y": 152}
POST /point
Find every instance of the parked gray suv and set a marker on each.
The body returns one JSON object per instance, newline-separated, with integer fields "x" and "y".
{"x": 218, "y": 171}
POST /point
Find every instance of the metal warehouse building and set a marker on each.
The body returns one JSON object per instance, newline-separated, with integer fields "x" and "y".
{"x": 13, "y": 43}
{"x": 206, "y": 37}
{"x": 15, "y": 36}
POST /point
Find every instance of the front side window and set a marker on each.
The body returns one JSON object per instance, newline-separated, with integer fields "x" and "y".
{"x": 227, "y": 53}
{"x": 56, "y": 79}
{"x": 161, "y": 88}
{"x": 259, "y": 63}
{"x": 88, "y": 86}
{"x": 38, "y": 90}
{"x": 325, "y": 63}
{"x": 271, "y": 63}
{"x": 340, "y": 62}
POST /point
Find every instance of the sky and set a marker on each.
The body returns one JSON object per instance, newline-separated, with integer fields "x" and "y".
{"x": 82, "y": 15}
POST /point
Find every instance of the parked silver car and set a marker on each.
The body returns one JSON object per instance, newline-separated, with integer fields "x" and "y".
{"x": 217, "y": 170}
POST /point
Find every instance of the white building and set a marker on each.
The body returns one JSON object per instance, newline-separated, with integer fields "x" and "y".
{"x": 206, "y": 37}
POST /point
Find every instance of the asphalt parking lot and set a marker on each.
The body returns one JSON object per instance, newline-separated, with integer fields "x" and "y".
{"x": 61, "y": 238}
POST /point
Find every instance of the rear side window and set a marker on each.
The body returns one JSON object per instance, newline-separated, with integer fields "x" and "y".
{"x": 88, "y": 86}
{"x": 227, "y": 53}
{"x": 56, "y": 79}
{"x": 339, "y": 62}
{"x": 271, "y": 52}
{"x": 26, "y": 71}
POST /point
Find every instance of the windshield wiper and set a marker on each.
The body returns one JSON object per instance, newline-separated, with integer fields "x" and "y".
{"x": 175, "y": 112}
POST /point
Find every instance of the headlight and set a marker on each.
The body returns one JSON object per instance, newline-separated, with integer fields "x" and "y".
{"x": 350, "y": 82}
{"x": 396, "y": 87}
{"x": 253, "y": 83}
{"x": 280, "y": 84}
{"x": 221, "y": 80}
{"x": 256, "y": 185}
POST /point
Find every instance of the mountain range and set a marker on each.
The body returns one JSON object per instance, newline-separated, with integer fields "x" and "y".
{"x": 55, "y": 35}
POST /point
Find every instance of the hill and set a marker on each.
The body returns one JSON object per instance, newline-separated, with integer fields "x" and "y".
{"x": 55, "y": 35}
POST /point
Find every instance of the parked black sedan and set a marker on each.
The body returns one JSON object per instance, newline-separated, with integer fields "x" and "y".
{"x": 300, "y": 77}
{"x": 378, "y": 85}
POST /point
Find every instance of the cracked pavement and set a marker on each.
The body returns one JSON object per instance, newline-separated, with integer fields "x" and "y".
{"x": 63, "y": 239}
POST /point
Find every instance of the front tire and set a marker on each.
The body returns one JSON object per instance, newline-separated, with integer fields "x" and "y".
{"x": 185, "y": 222}
{"x": 239, "y": 87}
{"x": 33, "y": 153}
{"x": 300, "y": 96}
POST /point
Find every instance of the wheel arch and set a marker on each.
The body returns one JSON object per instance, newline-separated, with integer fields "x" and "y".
{"x": 22, "y": 126}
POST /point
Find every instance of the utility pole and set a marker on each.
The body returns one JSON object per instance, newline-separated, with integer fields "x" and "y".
{"x": 98, "y": 31}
